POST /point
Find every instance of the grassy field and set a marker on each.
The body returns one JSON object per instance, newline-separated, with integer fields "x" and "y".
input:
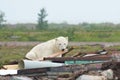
{"x": 76, "y": 33}
{"x": 17, "y": 53}
{"x": 105, "y": 32}
{"x": 12, "y": 53}
{"x": 76, "y": 36}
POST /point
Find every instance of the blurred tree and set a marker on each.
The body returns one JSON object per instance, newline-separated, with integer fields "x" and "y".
{"x": 42, "y": 23}
{"x": 2, "y": 14}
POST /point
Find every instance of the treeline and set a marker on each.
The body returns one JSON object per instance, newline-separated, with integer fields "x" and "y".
{"x": 64, "y": 26}
{"x": 90, "y": 32}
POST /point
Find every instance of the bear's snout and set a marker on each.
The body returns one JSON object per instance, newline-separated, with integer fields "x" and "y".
{"x": 63, "y": 49}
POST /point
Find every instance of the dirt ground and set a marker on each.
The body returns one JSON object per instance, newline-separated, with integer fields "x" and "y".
{"x": 14, "y": 43}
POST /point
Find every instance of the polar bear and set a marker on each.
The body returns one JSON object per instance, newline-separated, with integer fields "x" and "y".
{"x": 48, "y": 48}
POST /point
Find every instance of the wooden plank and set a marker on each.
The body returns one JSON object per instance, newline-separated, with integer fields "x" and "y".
{"x": 63, "y": 53}
{"x": 11, "y": 67}
{"x": 89, "y": 58}
{"x": 33, "y": 71}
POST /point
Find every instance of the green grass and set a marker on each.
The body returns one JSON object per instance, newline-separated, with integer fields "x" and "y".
{"x": 12, "y": 53}
{"x": 79, "y": 36}
{"x": 76, "y": 33}
{"x": 97, "y": 36}
{"x": 17, "y": 53}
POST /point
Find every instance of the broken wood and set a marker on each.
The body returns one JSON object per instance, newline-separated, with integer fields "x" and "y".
{"x": 63, "y": 53}
{"x": 70, "y": 49}
{"x": 11, "y": 67}
{"x": 88, "y": 58}
{"x": 76, "y": 74}
{"x": 33, "y": 71}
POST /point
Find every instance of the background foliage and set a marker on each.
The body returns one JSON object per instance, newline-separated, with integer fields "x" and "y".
{"x": 84, "y": 32}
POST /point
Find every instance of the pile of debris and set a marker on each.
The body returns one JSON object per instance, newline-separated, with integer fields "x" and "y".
{"x": 67, "y": 68}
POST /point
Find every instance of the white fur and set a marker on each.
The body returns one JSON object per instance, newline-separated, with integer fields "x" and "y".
{"x": 47, "y": 48}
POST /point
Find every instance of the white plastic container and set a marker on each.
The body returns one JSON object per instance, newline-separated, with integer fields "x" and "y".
{"x": 7, "y": 72}
{"x": 28, "y": 64}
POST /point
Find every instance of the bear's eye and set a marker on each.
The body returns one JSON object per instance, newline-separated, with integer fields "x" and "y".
{"x": 60, "y": 44}
{"x": 64, "y": 44}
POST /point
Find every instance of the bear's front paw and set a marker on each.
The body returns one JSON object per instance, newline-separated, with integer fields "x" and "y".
{"x": 40, "y": 59}
{"x": 66, "y": 50}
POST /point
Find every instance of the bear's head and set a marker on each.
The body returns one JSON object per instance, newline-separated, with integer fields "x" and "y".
{"x": 62, "y": 43}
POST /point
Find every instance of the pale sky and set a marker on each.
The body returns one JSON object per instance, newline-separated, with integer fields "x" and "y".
{"x": 71, "y": 11}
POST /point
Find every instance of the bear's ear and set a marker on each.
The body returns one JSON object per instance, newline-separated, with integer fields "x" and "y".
{"x": 66, "y": 38}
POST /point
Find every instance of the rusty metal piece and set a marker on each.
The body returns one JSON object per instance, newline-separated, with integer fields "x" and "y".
{"x": 67, "y": 68}
{"x": 63, "y": 69}
{"x": 92, "y": 58}
{"x": 33, "y": 71}
{"x": 68, "y": 72}
{"x": 64, "y": 75}
{"x": 37, "y": 71}
{"x": 76, "y": 74}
